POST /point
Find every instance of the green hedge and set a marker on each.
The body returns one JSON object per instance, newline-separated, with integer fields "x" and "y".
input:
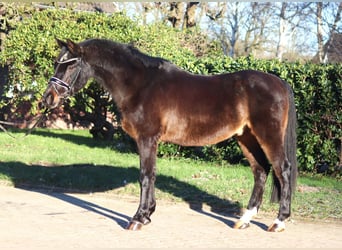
{"x": 30, "y": 51}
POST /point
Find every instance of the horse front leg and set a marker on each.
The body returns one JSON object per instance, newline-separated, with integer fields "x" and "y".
{"x": 148, "y": 153}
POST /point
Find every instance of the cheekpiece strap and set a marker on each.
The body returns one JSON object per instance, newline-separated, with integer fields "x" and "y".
{"x": 69, "y": 60}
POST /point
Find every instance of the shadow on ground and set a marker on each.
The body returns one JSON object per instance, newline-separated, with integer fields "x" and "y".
{"x": 119, "y": 218}
{"x": 74, "y": 138}
{"x": 125, "y": 144}
{"x": 83, "y": 178}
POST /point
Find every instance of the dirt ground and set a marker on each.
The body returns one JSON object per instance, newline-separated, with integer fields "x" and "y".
{"x": 63, "y": 220}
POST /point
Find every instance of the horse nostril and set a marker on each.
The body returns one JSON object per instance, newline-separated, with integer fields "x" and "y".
{"x": 48, "y": 100}
{"x": 41, "y": 105}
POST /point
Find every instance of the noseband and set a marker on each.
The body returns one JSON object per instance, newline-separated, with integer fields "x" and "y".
{"x": 55, "y": 81}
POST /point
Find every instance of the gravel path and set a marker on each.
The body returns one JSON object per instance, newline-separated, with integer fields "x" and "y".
{"x": 63, "y": 220}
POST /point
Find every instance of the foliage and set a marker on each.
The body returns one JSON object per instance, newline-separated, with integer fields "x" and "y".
{"x": 30, "y": 50}
{"x": 10, "y": 15}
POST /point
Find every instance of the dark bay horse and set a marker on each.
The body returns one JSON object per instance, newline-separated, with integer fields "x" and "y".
{"x": 160, "y": 102}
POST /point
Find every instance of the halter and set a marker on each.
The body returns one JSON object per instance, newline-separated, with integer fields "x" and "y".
{"x": 56, "y": 81}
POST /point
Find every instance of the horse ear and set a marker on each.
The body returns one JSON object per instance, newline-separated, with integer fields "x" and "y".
{"x": 61, "y": 43}
{"x": 74, "y": 48}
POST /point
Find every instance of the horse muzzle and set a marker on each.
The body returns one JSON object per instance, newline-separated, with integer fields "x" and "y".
{"x": 51, "y": 99}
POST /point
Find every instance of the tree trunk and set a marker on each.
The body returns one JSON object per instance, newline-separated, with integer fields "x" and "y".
{"x": 176, "y": 14}
{"x": 234, "y": 30}
{"x": 319, "y": 6}
{"x": 190, "y": 13}
{"x": 333, "y": 30}
{"x": 282, "y": 29}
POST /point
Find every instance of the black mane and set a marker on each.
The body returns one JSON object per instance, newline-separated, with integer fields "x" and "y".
{"x": 146, "y": 60}
{"x": 133, "y": 54}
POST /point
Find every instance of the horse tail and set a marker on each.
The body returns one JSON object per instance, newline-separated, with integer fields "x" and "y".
{"x": 290, "y": 148}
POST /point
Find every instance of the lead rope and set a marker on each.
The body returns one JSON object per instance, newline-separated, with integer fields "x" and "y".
{"x": 39, "y": 120}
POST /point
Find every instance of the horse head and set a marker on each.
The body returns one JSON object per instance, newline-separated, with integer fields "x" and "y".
{"x": 71, "y": 74}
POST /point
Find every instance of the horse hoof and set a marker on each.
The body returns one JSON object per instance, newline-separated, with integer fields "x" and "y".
{"x": 241, "y": 225}
{"x": 276, "y": 228}
{"x": 134, "y": 225}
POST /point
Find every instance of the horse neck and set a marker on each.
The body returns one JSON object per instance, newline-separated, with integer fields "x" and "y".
{"x": 122, "y": 83}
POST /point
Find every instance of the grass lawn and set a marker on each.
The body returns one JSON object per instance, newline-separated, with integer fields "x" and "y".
{"x": 72, "y": 161}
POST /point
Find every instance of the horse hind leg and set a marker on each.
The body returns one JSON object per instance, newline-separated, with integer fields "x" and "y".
{"x": 274, "y": 150}
{"x": 282, "y": 189}
{"x": 260, "y": 168}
